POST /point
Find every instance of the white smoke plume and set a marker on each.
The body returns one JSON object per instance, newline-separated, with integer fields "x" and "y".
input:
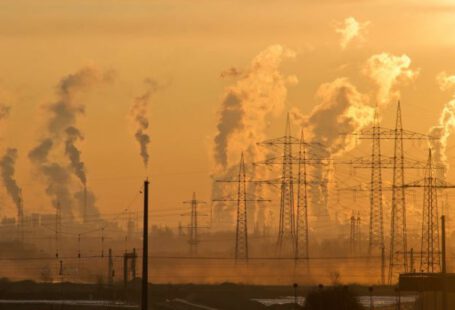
{"x": 62, "y": 128}
{"x": 351, "y": 29}
{"x": 139, "y": 116}
{"x": 388, "y": 72}
{"x": 341, "y": 111}
{"x": 73, "y": 153}
{"x": 446, "y": 123}
{"x": 56, "y": 176}
{"x": 258, "y": 94}
{"x": 8, "y": 169}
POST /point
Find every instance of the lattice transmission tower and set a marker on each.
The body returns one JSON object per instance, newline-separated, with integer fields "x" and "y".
{"x": 430, "y": 255}
{"x": 193, "y": 228}
{"x": 302, "y": 236}
{"x": 241, "y": 231}
{"x": 398, "y": 230}
{"x": 293, "y": 231}
{"x": 376, "y": 231}
{"x": 398, "y": 233}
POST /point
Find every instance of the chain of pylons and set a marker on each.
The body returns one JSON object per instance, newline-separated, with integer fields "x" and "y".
{"x": 398, "y": 232}
{"x": 293, "y": 226}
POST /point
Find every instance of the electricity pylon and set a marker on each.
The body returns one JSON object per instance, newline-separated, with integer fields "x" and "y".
{"x": 302, "y": 238}
{"x": 293, "y": 229}
{"x": 398, "y": 232}
{"x": 399, "y": 164}
{"x": 241, "y": 231}
{"x": 193, "y": 238}
{"x": 430, "y": 259}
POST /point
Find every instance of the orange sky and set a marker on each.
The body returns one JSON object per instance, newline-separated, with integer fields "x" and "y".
{"x": 188, "y": 44}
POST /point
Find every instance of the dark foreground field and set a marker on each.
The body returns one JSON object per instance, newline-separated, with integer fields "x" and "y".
{"x": 28, "y": 295}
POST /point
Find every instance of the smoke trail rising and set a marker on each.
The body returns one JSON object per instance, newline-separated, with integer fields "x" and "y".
{"x": 446, "y": 124}
{"x": 56, "y": 176}
{"x": 7, "y": 164}
{"x": 389, "y": 71}
{"x": 349, "y": 30}
{"x": 62, "y": 128}
{"x": 341, "y": 109}
{"x": 258, "y": 93}
{"x": 73, "y": 134}
{"x": 139, "y": 115}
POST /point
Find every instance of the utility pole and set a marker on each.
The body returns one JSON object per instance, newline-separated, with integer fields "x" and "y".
{"x": 352, "y": 233}
{"x": 20, "y": 217}
{"x": 58, "y": 227}
{"x": 110, "y": 269}
{"x": 444, "y": 266}
{"x": 144, "y": 302}
{"x": 383, "y": 265}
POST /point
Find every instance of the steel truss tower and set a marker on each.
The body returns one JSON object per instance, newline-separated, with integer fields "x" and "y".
{"x": 398, "y": 232}
{"x": 302, "y": 238}
{"x": 399, "y": 164}
{"x": 430, "y": 259}
{"x": 286, "y": 230}
{"x": 241, "y": 239}
{"x": 193, "y": 238}
{"x": 241, "y": 199}
{"x": 376, "y": 231}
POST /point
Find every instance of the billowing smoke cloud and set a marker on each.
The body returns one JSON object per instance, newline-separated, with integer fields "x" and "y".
{"x": 73, "y": 134}
{"x": 7, "y": 164}
{"x": 446, "y": 123}
{"x": 87, "y": 204}
{"x": 139, "y": 115}
{"x": 4, "y": 110}
{"x": 56, "y": 176}
{"x": 341, "y": 111}
{"x": 62, "y": 128}
{"x": 349, "y": 30}
{"x": 388, "y": 71}
{"x": 258, "y": 94}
